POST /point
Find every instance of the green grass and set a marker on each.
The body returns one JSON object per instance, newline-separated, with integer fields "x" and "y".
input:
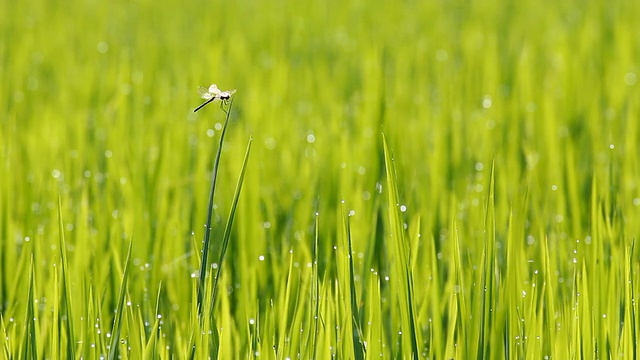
{"x": 427, "y": 179}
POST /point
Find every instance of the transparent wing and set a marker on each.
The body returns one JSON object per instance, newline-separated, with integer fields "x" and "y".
{"x": 230, "y": 92}
{"x": 204, "y": 93}
{"x": 213, "y": 89}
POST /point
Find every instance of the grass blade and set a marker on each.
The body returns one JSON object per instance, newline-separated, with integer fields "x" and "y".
{"x": 488, "y": 275}
{"x": 207, "y": 234}
{"x": 66, "y": 304}
{"x": 117, "y": 322}
{"x": 30, "y": 342}
{"x": 356, "y": 321}
{"x": 227, "y": 229}
{"x": 402, "y": 266}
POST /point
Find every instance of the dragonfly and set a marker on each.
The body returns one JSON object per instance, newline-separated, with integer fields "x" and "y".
{"x": 213, "y": 93}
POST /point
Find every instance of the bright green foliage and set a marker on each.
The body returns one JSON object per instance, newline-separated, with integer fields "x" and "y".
{"x": 427, "y": 179}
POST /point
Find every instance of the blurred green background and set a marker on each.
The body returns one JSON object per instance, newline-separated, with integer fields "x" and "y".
{"x": 96, "y": 102}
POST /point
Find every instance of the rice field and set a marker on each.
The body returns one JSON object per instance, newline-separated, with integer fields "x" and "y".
{"x": 398, "y": 180}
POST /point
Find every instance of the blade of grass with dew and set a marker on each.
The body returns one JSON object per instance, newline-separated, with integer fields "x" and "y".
{"x": 344, "y": 316}
{"x": 66, "y": 304}
{"x": 117, "y": 321}
{"x": 132, "y": 335}
{"x": 271, "y": 330}
{"x": 629, "y": 333}
{"x": 375, "y": 331}
{"x": 251, "y": 334}
{"x": 136, "y": 334}
{"x": 373, "y": 252}
{"x": 585, "y": 333}
{"x": 298, "y": 320}
{"x": 85, "y": 332}
{"x": 196, "y": 324}
{"x": 225, "y": 241}
{"x": 4, "y": 247}
{"x": 205, "y": 337}
{"x": 6, "y": 346}
{"x": 227, "y": 230}
{"x": 409, "y": 344}
{"x": 488, "y": 276}
{"x": 356, "y": 320}
{"x": 282, "y": 329}
{"x": 549, "y": 287}
{"x": 461, "y": 306}
{"x": 208, "y": 229}
{"x": 310, "y": 350}
{"x": 513, "y": 347}
{"x": 534, "y": 319}
{"x": 325, "y": 342}
{"x": 451, "y": 350}
{"x": 22, "y": 272}
{"x": 54, "y": 343}
{"x": 150, "y": 349}
{"x": 436, "y": 339}
{"x": 29, "y": 348}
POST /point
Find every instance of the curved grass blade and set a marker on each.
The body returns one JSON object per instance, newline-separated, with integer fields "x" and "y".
{"x": 4, "y": 339}
{"x": 227, "y": 229}
{"x": 315, "y": 299}
{"x": 401, "y": 263}
{"x": 30, "y": 345}
{"x": 359, "y": 350}
{"x": 54, "y": 345}
{"x": 117, "y": 322}
{"x": 488, "y": 273}
{"x": 207, "y": 232}
{"x": 65, "y": 304}
{"x": 151, "y": 349}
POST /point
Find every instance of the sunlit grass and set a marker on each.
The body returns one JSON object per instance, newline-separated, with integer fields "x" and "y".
{"x": 426, "y": 179}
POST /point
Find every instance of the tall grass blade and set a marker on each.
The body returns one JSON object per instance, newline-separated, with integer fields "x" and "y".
{"x": 207, "y": 232}
{"x": 151, "y": 349}
{"x": 54, "y": 346}
{"x": 356, "y": 320}
{"x": 65, "y": 304}
{"x": 227, "y": 230}
{"x": 282, "y": 326}
{"x": 488, "y": 274}
{"x": 402, "y": 267}
{"x": 117, "y": 321}
{"x": 4, "y": 248}
{"x": 30, "y": 342}
{"x": 312, "y": 343}
{"x": 5, "y": 339}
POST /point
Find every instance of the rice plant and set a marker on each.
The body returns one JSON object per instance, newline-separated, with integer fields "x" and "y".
{"x": 425, "y": 179}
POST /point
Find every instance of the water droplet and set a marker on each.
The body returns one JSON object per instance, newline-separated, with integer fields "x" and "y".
{"x": 487, "y": 102}
{"x": 630, "y": 78}
{"x": 102, "y": 47}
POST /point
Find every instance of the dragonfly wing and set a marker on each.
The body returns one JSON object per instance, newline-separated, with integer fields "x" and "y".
{"x": 213, "y": 89}
{"x": 204, "y": 93}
